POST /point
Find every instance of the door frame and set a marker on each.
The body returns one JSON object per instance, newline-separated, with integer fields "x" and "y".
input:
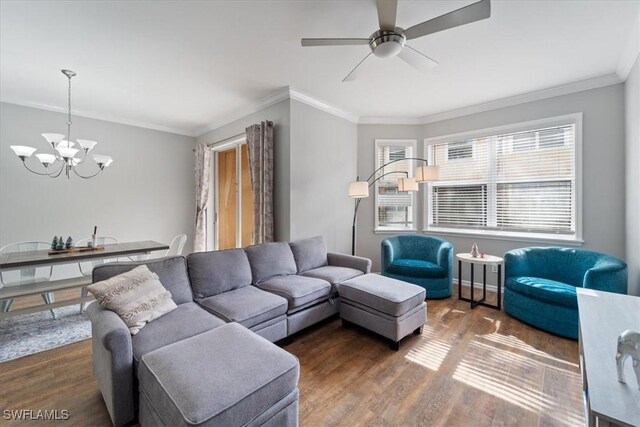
{"x": 234, "y": 143}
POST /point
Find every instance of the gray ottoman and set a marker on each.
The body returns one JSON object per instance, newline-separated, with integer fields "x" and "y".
{"x": 389, "y": 307}
{"x": 228, "y": 376}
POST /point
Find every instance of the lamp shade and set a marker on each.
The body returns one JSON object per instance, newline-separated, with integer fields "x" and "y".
{"x": 65, "y": 144}
{"x": 46, "y": 159}
{"x": 407, "y": 184}
{"x": 53, "y": 138}
{"x": 427, "y": 173}
{"x": 86, "y": 144}
{"x": 102, "y": 160}
{"x": 66, "y": 152}
{"x": 22, "y": 151}
{"x": 358, "y": 189}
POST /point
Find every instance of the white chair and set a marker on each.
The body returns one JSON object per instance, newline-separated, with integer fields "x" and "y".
{"x": 26, "y": 276}
{"x": 176, "y": 246}
{"x": 86, "y": 267}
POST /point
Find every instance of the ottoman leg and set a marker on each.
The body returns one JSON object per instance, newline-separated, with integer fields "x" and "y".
{"x": 418, "y": 331}
{"x": 395, "y": 345}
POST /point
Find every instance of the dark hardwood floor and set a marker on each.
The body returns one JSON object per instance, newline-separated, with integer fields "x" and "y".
{"x": 470, "y": 367}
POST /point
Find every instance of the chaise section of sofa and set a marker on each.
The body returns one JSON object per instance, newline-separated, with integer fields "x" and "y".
{"x": 221, "y": 282}
{"x": 116, "y": 354}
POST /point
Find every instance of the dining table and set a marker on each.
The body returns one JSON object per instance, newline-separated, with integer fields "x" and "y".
{"x": 40, "y": 258}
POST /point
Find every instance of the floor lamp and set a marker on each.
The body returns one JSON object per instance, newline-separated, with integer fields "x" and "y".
{"x": 360, "y": 189}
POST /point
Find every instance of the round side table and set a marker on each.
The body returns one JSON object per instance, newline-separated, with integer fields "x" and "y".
{"x": 484, "y": 261}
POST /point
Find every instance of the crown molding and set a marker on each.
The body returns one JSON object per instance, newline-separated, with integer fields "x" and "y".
{"x": 630, "y": 52}
{"x": 582, "y": 85}
{"x": 261, "y": 104}
{"x": 106, "y": 118}
{"x": 286, "y": 92}
{"x": 296, "y": 95}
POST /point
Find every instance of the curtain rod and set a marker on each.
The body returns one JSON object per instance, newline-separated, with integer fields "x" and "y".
{"x": 226, "y": 139}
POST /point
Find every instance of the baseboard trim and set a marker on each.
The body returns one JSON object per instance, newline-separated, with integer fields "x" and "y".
{"x": 467, "y": 283}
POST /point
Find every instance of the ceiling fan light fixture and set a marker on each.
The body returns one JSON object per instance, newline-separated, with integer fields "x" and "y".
{"x": 386, "y": 44}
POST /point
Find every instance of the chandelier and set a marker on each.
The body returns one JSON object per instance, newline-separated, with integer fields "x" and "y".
{"x": 62, "y": 157}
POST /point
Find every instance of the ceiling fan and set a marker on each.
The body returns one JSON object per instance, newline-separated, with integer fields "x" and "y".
{"x": 390, "y": 41}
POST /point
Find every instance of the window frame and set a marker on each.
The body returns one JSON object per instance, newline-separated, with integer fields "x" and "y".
{"x": 575, "y": 239}
{"x": 413, "y": 143}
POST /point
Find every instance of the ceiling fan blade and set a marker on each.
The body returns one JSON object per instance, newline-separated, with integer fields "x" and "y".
{"x": 333, "y": 42}
{"x": 387, "y": 10}
{"x": 474, "y": 12}
{"x": 356, "y": 70}
{"x": 417, "y": 59}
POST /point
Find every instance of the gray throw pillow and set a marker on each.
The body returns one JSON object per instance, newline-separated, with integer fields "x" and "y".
{"x": 309, "y": 253}
{"x": 137, "y": 296}
{"x": 270, "y": 260}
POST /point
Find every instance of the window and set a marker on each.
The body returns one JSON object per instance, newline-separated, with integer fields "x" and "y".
{"x": 520, "y": 180}
{"x": 460, "y": 150}
{"x": 395, "y": 210}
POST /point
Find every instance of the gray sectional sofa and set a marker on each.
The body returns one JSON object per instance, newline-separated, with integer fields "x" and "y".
{"x": 273, "y": 289}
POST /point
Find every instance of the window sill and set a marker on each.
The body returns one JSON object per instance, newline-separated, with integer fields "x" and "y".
{"x": 492, "y": 235}
{"x": 392, "y": 231}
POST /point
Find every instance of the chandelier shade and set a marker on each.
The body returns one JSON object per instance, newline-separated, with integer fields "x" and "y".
{"x": 63, "y": 149}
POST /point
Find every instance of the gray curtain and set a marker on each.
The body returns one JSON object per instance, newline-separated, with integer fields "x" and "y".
{"x": 202, "y": 171}
{"x": 260, "y": 145}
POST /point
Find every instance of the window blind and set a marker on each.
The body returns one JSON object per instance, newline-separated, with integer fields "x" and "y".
{"x": 514, "y": 182}
{"x": 394, "y": 208}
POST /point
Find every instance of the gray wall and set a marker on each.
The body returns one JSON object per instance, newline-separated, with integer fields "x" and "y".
{"x": 280, "y": 115}
{"x": 603, "y": 207}
{"x": 323, "y": 161}
{"x": 146, "y": 194}
{"x": 632, "y": 119}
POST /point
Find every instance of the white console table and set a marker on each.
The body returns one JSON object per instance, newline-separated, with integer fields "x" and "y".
{"x": 603, "y": 316}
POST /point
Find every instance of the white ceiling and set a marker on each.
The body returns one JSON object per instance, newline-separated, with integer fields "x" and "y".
{"x": 182, "y": 65}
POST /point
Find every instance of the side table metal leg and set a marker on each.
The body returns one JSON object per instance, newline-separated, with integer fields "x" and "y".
{"x": 472, "y": 287}
{"x": 499, "y": 286}
{"x": 484, "y": 282}
{"x": 459, "y": 279}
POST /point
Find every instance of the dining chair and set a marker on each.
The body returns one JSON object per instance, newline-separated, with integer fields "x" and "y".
{"x": 86, "y": 267}
{"x": 25, "y": 276}
{"x": 176, "y": 246}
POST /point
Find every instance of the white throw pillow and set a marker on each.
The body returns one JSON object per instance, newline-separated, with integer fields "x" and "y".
{"x": 137, "y": 296}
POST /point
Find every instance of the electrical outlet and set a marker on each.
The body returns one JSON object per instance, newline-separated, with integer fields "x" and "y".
{"x": 494, "y": 268}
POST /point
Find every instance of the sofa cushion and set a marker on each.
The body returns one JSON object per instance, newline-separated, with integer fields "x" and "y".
{"x": 546, "y": 290}
{"x": 390, "y": 296}
{"x": 215, "y": 272}
{"x": 172, "y": 272}
{"x": 298, "y": 290}
{"x": 309, "y": 253}
{"x": 187, "y": 320}
{"x": 269, "y": 260}
{"x": 224, "y": 377}
{"x": 416, "y": 268}
{"x": 334, "y": 275}
{"x": 248, "y": 306}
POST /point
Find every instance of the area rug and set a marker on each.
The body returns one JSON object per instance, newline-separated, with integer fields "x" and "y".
{"x": 32, "y": 333}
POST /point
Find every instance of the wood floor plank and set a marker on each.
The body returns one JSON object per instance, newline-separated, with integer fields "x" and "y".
{"x": 470, "y": 367}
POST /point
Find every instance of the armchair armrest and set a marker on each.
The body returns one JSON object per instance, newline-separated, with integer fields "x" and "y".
{"x": 608, "y": 276}
{"x": 113, "y": 362}
{"x": 516, "y": 264}
{"x": 349, "y": 261}
{"x": 445, "y": 256}
{"x": 389, "y": 254}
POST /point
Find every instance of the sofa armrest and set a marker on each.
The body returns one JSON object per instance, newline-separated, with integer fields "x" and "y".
{"x": 113, "y": 363}
{"x": 349, "y": 261}
{"x": 606, "y": 276}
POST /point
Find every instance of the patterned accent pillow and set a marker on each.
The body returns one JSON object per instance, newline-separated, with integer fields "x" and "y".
{"x": 137, "y": 296}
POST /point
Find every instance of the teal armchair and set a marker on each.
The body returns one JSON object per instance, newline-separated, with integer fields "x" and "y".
{"x": 540, "y": 284}
{"x": 422, "y": 260}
